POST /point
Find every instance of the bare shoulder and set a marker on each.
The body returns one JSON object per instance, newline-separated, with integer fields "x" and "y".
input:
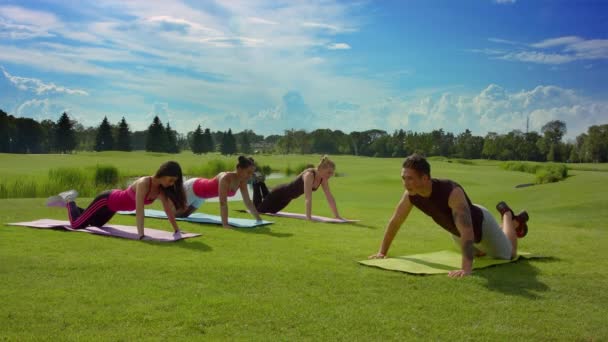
{"x": 308, "y": 173}
{"x": 405, "y": 198}
{"x": 141, "y": 181}
{"x": 223, "y": 175}
{"x": 457, "y": 198}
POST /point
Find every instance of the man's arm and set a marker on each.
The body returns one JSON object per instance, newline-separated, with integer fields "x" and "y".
{"x": 464, "y": 223}
{"x": 399, "y": 215}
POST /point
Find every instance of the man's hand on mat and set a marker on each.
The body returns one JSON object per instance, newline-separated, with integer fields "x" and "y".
{"x": 459, "y": 273}
{"x": 377, "y": 256}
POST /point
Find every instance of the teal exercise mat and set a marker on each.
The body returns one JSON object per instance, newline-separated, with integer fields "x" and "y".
{"x": 202, "y": 218}
{"x": 441, "y": 262}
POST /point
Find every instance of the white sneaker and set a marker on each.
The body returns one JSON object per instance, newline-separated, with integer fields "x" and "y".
{"x": 62, "y": 199}
{"x": 55, "y": 201}
{"x": 69, "y": 196}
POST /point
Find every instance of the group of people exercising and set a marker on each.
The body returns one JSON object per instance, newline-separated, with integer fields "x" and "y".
{"x": 445, "y": 201}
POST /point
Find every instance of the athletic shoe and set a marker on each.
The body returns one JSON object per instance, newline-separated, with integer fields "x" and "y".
{"x": 62, "y": 199}
{"x": 521, "y": 218}
{"x": 69, "y": 196}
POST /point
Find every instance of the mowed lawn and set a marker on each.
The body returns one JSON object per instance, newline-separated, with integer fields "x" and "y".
{"x": 295, "y": 280}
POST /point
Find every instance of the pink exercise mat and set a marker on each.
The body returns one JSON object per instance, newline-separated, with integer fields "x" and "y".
{"x": 126, "y": 232}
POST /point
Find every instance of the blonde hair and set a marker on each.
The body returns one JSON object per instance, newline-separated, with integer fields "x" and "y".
{"x": 326, "y": 163}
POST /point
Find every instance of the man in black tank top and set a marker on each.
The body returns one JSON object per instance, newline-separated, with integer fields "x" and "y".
{"x": 446, "y": 202}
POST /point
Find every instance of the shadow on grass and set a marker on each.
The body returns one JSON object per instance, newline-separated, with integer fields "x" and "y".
{"x": 186, "y": 243}
{"x": 357, "y": 224}
{"x": 265, "y": 230}
{"x": 517, "y": 278}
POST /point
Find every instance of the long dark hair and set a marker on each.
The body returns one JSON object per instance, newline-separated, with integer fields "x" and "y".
{"x": 176, "y": 192}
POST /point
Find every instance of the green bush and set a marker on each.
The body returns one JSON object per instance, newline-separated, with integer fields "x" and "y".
{"x": 545, "y": 173}
{"x": 297, "y": 170}
{"x": 106, "y": 175}
{"x": 551, "y": 173}
{"x": 462, "y": 161}
{"x": 209, "y": 169}
{"x": 520, "y": 166}
{"x": 265, "y": 169}
{"x": 63, "y": 178}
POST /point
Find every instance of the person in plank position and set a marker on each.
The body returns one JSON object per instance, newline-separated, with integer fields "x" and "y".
{"x": 223, "y": 185}
{"x": 471, "y": 225}
{"x": 308, "y": 181}
{"x": 166, "y": 184}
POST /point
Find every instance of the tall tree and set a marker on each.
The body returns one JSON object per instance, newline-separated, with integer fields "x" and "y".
{"x": 228, "y": 145}
{"x": 196, "y": 141}
{"x": 123, "y": 137}
{"x": 491, "y": 146}
{"x": 323, "y": 141}
{"x": 245, "y": 144}
{"x": 596, "y": 144}
{"x": 104, "y": 140}
{"x": 65, "y": 138}
{"x": 553, "y": 131}
{"x": 48, "y": 131}
{"x": 139, "y": 140}
{"x": 172, "y": 143}
{"x": 208, "y": 143}
{"x": 156, "y": 139}
{"x": 28, "y": 137}
{"x": 7, "y": 132}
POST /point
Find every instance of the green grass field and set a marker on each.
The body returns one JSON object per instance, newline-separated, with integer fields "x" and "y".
{"x": 295, "y": 280}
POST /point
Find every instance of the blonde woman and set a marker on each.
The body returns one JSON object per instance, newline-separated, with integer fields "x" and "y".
{"x": 308, "y": 181}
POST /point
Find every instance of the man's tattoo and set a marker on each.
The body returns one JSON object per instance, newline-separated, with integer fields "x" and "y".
{"x": 462, "y": 219}
{"x": 468, "y": 250}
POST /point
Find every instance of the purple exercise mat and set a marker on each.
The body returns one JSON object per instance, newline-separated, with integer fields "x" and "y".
{"x": 126, "y": 232}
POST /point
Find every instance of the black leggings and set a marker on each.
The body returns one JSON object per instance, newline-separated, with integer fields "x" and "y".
{"x": 269, "y": 202}
{"x": 97, "y": 214}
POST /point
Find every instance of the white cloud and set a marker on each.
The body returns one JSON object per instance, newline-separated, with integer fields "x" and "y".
{"x": 554, "y": 51}
{"x": 504, "y": 1}
{"x": 538, "y": 57}
{"x": 256, "y": 20}
{"x": 22, "y": 23}
{"x": 338, "y": 46}
{"x": 329, "y": 27}
{"x": 39, "y": 87}
{"x": 547, "y": 43}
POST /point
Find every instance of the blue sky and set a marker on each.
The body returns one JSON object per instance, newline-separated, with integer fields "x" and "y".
{"x": 485, "y": 65}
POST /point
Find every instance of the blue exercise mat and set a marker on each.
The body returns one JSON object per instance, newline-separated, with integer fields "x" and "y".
{"x": 202, "y": 218}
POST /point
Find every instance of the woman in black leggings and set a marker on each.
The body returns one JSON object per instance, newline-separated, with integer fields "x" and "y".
{"x": 308, "y": 181}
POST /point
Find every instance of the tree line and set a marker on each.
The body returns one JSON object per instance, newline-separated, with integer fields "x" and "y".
{"x": 25, "y": 135}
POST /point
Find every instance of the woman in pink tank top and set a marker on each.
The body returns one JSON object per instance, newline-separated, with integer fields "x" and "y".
{"x": 224, "y": 185}
{"x": 166, "y": 184}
